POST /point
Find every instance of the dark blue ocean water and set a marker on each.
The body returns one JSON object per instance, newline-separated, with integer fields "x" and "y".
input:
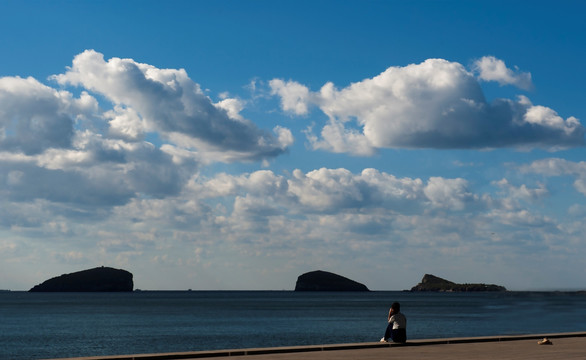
{"x": 57, "y": 325}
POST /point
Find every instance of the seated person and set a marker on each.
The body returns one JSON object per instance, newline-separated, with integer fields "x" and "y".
{"x": 397, "y": 325}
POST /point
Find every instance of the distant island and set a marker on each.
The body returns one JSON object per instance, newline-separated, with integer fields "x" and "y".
{"x": 326, "y": 281}
{"x": 434, "y": 283}
{"x": 100, "y": 279}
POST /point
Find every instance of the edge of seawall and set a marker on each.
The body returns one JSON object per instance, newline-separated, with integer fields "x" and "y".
{"x": 329, "y": 347}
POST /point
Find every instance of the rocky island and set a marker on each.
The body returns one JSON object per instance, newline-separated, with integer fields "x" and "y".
{"x": 100, "y": 279}
{"x": 434, "y": 283}
{"x": 326, "y": 281}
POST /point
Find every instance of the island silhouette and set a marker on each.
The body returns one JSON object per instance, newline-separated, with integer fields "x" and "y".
{"x": 100, "y": 279}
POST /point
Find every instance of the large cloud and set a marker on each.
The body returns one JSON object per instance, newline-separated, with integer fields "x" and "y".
{"x": 81, "y": 156}
{"x": 170, "y": 103}
{"x": 435, "y": 104}
{"x": 332, "y": 191}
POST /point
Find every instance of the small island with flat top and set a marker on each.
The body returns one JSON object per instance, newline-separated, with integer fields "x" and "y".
{"x": 326, "y": 281}
{"x": 100, "y": 279}
{"x": 434, "y": 283}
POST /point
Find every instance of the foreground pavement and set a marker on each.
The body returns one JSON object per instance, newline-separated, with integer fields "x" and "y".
{"x": 565, "y": 346}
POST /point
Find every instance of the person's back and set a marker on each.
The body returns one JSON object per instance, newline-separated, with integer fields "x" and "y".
{"x": 399, "y": 327}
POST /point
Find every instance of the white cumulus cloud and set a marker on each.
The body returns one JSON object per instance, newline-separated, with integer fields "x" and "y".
{"x": 331, "y": 191}
{"x": 76, "y": 156}
{"x": 173, "y": 105}
{"x": 294, "y": 96}
{"x": 448, "y": 193}
{"x": 435, "y": 104}
{"x": 490, "y": 68}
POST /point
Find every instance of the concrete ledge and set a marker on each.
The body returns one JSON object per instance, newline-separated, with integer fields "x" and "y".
{"x": 332, "y": 347}
{"x": 465, "y": 340}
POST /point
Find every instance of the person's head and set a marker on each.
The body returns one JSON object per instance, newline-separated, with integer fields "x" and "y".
{"x": 396, "y": 307}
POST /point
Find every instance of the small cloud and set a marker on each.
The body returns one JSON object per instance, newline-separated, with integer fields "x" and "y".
{"x": 522, "y": 192}
{"x": 577, "y": 210}
{"x": 294, "y": 96}
{"x": 560, "y": 167}
{"x": 458, "y": 163}
{"x": 490, "y": 68}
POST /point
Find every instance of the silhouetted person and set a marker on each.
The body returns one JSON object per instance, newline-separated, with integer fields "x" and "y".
{"x": 397, "y": 326}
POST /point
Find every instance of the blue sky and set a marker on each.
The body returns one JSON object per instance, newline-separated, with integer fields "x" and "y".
{"x": 239, "y": 144}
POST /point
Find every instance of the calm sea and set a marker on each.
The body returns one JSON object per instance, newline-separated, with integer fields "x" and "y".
{"x": 57, "y": 325}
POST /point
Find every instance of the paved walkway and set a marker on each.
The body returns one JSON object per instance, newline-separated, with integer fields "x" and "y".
{"x": 567, "y": 346}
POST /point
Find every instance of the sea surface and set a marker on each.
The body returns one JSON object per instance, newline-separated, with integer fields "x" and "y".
{"x": 58, "y": 325}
